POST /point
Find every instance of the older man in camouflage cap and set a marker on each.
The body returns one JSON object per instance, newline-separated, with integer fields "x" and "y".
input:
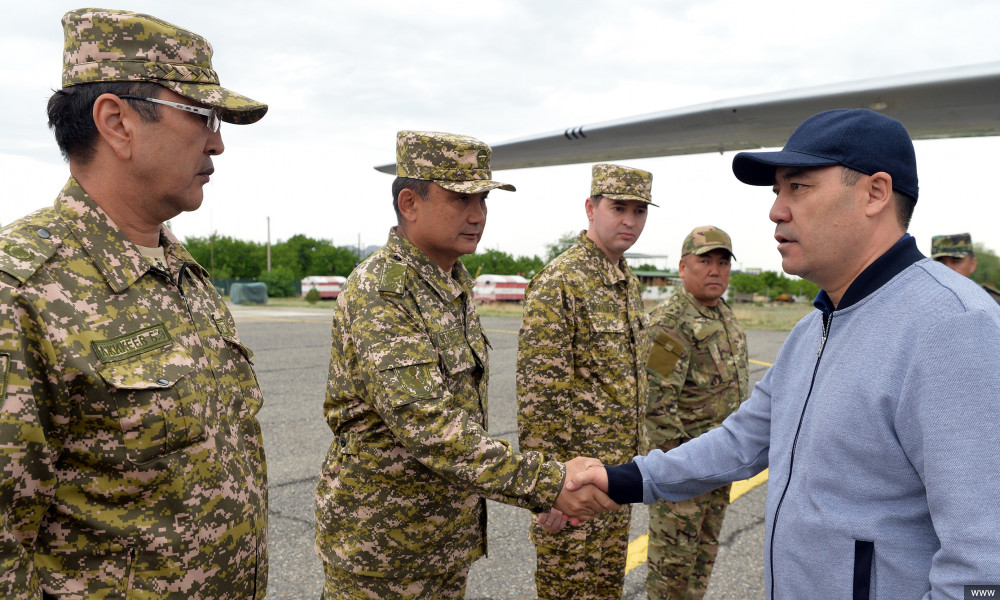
{"x": 400, "y": 510}
{"x": 955, "y": 252}
{"x": 581, "y": 381}
{"x": 131, "y": 458}
{"x": 698, "y": 375}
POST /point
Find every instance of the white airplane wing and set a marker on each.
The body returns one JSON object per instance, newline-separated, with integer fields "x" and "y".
{"x": 956, "y": 102}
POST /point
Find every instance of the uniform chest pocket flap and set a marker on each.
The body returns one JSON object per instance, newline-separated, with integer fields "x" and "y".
{"x": 158, "y": 406}
{"x": 406, "y": 374}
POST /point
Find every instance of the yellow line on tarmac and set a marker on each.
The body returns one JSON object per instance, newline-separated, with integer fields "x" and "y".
{"x": 500, "y": 331}
{"x": 638, "y": 547}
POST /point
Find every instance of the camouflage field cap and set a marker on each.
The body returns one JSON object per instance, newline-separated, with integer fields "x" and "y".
{"x": 455, "y": 162}
{"x": 705, "y": 239}
{"x": 621, "y": 183}
{"x": 118, "y": 45}
{"x": 957, "y": 245}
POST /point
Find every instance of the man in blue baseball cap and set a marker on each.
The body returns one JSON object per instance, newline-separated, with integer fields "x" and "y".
{"x": 876, "y": 421}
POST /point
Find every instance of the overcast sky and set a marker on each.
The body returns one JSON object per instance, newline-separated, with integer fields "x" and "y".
{"x": 342, "y": 77}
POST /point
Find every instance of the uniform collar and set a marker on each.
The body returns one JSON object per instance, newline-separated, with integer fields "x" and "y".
{"x": 115, "y": 256}
{"x": 609, "y": 272}
{"x": 448, "y": 286}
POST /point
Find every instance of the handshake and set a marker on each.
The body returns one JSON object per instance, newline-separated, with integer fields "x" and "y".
{"x": 583, "y": 497}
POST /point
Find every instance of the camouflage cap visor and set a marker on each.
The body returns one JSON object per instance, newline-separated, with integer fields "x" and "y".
{"x": 709, "y": 248}
{"x": 474, "y": 187}
{"x": 233, "y": 108}
{"x": 627, "y": 197}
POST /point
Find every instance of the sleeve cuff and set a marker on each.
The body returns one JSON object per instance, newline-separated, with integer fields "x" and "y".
{"x": 625, "y": 483}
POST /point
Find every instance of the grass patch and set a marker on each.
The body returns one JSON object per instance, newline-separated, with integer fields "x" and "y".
{"x": 774, "y": 317}
{"x": 500, "y": 309}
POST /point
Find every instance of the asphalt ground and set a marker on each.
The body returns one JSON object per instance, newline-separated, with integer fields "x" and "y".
{"x": 291, "y": 357}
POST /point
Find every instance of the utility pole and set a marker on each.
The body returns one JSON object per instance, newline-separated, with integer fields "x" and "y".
{"x": 269, "y": 244}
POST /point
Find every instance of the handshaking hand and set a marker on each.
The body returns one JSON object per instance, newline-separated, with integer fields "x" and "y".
{"x": 595, "y": 475}
{"x": 579, "y": 502}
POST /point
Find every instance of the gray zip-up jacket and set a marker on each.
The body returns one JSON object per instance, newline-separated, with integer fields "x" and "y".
{"x": 880, "y": 424}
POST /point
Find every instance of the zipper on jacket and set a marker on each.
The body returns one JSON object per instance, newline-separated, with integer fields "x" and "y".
{"x": 827, "y": 320}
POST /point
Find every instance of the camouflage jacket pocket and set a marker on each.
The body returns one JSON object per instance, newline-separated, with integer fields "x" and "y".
{"x": 456, "y": 354}
{"x": 159, "y": 408}
{"x": 403, "y": 382}
{"x": 610, "y": 339}
{"x": 243, "y": 380}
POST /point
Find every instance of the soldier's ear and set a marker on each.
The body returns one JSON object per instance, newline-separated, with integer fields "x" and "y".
{"x": 407, "y": 202}
{"x": 115, "y": 124}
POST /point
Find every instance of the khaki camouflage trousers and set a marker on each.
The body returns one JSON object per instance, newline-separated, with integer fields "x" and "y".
{"x": 585, "y": 566}
{"x": 683, "y": 542}
{"x": 343, "y": 585}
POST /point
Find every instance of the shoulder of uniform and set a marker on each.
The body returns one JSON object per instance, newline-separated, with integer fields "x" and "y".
{"x": 27, "y": 244}
{"x": 391, "y": 275}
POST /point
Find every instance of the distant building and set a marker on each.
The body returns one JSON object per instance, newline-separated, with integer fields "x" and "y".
{"x": 328, "y": 286}
{"x": 657, "y": 285}
{"x": 493, "y": 288}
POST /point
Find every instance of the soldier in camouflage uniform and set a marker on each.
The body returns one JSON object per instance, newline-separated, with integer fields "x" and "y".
{"x": 131, "y": 460}
{"x": 581, "y": 382}
{"x": 400, "y": 509}
{"x": 955, "y": 252}
{"x": 698, "y": 375}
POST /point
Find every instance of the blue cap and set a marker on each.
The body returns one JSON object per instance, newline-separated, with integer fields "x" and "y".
{"x": 858, "y": 139}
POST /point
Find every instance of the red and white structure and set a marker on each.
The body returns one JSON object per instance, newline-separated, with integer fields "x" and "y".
{"x": 490, "y": 288}
{"x": 328, "y": 286}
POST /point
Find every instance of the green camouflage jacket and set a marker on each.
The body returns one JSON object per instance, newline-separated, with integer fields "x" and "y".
{"x": 581, "y": 384}
{"x": 698, "y": 370}
{"x": 131, "y": 462}
{"x": 401, "y": 491}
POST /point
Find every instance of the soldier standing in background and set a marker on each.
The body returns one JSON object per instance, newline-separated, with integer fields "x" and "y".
{"x": 581, "y": 381}
{"x": 698, "y": 375}
{"x": 955, "y": 252}
{"x": 131, "y": 459}
{"x": 400, "y": 510}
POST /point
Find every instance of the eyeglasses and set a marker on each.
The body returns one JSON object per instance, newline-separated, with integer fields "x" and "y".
{"x": 212, "y": 120}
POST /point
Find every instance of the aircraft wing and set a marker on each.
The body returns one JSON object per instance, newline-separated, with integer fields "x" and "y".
{"x": 955, "y": 102}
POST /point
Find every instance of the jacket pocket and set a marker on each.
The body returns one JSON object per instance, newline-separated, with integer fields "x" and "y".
{"x": 159, "y": 408}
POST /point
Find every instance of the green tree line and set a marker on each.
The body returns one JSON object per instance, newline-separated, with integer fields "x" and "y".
{"x": 301, "y": 256}
{"x": 772, "y": 284}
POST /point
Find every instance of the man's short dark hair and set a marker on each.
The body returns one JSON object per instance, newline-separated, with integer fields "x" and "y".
{"x": 71, "y": 113}
{"x": 904, "y": 204}
{"x": 417, "y": 186}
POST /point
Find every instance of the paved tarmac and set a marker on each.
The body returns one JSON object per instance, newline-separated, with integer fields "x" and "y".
{"x": 292, "y": 352}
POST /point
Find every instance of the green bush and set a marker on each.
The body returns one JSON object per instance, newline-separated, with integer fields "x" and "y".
{"x": 280, "y": 282}
{"x": 312, "y": 296}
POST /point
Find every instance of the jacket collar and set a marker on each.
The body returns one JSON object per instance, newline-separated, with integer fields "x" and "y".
{"x": 609, "y": 272}
{"x": 448, "y": 286}
{"x": 115, "y": 256}
{"x": 895, "y": 260}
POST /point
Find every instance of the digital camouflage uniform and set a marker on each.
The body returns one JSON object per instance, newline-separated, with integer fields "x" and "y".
{"x": 400, "y": 500}
{"x": 131, "y": 460}
{"x": 698, "y": 374}
{"x": 959, "y": 245}
{"x": 581, "y": 391}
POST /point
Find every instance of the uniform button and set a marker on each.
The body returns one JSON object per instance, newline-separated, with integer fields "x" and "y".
{"x": 44, "y": 234}
{"x": 162, "y": 382}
